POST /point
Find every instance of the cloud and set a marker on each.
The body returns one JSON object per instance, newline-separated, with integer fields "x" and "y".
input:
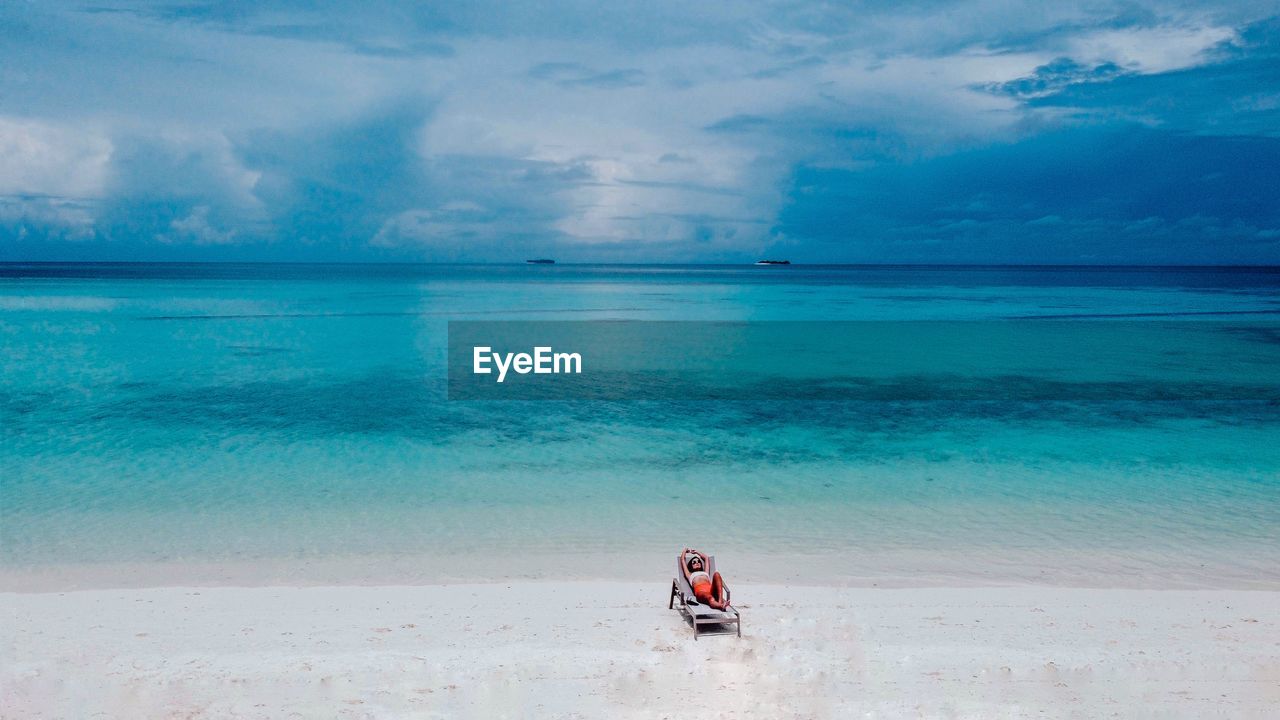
{"x": 195, "y": 227}
{"x": 458, "y": 230}
{"x": 575, "y": 75}
{"x": 50, "y": 218}
{"x": 1148, "y": 50}
{"x": 1089, "y": 194}
{"x": 47, "y": 159}
{"x": 1054, "y": 77}
{"x": 1231, "y": 93}
{"x": 677, "y": 131}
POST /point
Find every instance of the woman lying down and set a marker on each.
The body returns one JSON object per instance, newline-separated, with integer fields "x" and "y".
{"x": 707, "y": 589}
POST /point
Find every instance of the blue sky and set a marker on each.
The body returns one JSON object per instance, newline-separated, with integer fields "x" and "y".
{"x": 983, "y": 132}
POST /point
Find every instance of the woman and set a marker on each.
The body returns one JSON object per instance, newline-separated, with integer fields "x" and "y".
{"x": 708, "y": 590}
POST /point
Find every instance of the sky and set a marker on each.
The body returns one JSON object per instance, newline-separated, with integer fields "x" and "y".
{"x": 982, "y": 131}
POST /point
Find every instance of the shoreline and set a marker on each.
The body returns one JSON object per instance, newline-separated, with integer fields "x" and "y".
{"x": 591, "y": 649}
{"x": 887, "y": 571}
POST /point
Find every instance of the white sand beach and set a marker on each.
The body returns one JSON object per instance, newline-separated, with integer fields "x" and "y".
{"x": 613, "y": 649}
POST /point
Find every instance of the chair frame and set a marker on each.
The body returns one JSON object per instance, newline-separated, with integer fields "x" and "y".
{"x": 694, "y": 612}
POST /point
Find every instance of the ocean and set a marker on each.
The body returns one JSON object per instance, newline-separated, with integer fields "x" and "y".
{"x": 215, "y": 423}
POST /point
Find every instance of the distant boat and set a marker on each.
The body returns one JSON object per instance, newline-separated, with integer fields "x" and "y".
{"x": 541, "y": 261}
{"x": 773, "y": 262}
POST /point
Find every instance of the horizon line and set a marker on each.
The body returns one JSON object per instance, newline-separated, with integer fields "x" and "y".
{"x": 749, "y": 263}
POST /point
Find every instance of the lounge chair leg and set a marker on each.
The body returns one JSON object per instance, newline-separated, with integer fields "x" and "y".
{"x": 671, "y": 601}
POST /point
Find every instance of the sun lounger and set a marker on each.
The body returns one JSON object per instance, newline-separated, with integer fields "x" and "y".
{"x": 695, "y": 612}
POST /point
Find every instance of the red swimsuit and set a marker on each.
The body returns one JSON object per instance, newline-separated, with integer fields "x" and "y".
{"x": 709, "y": 591}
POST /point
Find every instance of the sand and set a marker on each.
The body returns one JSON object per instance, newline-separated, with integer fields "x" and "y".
{"x": 613, "y": 649}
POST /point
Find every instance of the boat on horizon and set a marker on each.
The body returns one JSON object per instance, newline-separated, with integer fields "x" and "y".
{"x": 773, "y": 262}
{"x": 541, "y": 261}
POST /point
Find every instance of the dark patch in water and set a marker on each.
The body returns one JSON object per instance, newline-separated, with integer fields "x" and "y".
{"x": 624, "y": 386}
{"x": 1099, "y": 316}
{"x": 258, "y": 350}
{"x": 19, "y": 404}
{"x": 389, "y": 313}
{"x": 1265, "y": 335}
{"x": 676, "y": 436}
{"x": 940, "y": 298}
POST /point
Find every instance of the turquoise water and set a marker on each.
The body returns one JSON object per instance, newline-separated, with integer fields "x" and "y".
{"x": 222, "y": 418}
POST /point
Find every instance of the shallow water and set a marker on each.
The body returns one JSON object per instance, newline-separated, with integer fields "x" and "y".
{"x": 287, "y": 415}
